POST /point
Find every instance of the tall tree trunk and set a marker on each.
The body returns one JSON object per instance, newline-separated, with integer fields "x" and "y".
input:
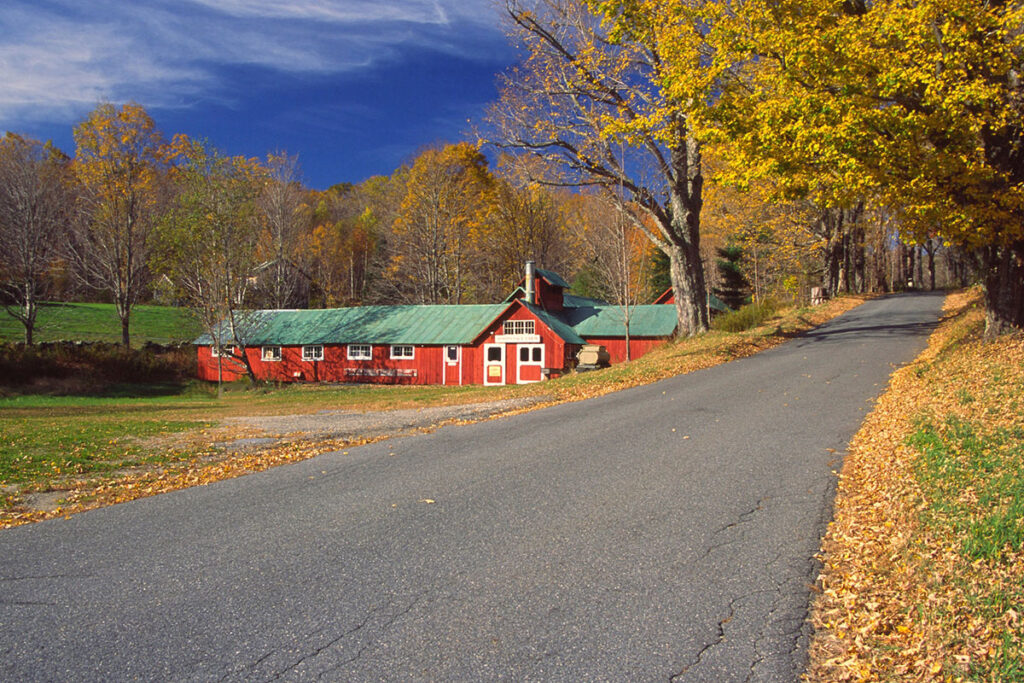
{"x": 125, "y": 339}
{"x": 910, "y": 252}
{"x": 832, "y": 231}
{"x": 29, "y": 310}
{"x": 686, "y": 268}
{"x": 930, "y": 250}
{"x": 220, "y": 370}
{"x": 859, "y": 270}
{"x": 688, "y": 287}
{"x": 629, "y": 355}
{"x": 919, "y": 253}
{"x": 238, "y": 329}
{"x": 1004, "y": 289}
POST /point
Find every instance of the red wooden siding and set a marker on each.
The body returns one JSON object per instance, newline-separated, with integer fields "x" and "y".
{"x": 616, "y": 347}
{"x": 555, "y": 349}
{"x": 426, "y": 366}
{"x": 549, "y": 295}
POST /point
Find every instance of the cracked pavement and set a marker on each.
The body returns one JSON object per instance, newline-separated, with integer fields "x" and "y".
{"x": 661, "y": 533}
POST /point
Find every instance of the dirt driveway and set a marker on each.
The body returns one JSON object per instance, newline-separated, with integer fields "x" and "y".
{"x": 346, "y": 425}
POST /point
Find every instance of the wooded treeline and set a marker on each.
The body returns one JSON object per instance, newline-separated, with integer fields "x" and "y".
{"x": 637, "y": 145}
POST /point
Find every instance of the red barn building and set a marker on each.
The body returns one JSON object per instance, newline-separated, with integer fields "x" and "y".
{"x": 534, "y": 335}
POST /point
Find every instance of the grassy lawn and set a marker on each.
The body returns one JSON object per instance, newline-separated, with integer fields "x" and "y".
{"x": 99, "y": 322}
{"x": 43, "y": 438}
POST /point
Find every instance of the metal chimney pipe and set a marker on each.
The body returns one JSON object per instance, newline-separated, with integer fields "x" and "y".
{"x": 529, "y": 287}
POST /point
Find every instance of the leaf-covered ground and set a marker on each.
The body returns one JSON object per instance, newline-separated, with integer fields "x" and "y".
{"x": 60, "y": 458}
{"x": 923, "y": 565}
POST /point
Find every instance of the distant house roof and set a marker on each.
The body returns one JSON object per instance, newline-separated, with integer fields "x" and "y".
{"x": 434, "y": 324}
{"x": 608, "y": 321}
{"x": 716, "y": 304}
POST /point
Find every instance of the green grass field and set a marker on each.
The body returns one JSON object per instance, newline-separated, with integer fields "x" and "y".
{"x": 44, "y": 438}
{"x": 99, "y": 323}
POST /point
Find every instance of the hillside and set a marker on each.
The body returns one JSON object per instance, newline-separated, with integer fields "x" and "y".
{"x": 99, "y": 323}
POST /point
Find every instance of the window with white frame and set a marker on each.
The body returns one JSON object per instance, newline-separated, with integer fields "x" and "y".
{"x": 403, "y": 351}
{"x": 360, "y": 352}
{"x": 313, "y": 352}
{"x": 271, "y": 353}
{"x": 226, "y": 351}
{"x": 531, "y": 353}
{"x": 518, "y": 327}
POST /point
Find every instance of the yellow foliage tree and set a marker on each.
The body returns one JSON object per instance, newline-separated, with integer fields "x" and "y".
{"x": 431, "y": 250}
{"x": 120, "y": 159}
{"x": 913, "y": 105}
{"x": 590, "y": 99}
{"x": 207, "y": 242}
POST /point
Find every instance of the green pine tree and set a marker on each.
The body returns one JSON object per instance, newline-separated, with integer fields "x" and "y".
{"x": 734, "y": 290}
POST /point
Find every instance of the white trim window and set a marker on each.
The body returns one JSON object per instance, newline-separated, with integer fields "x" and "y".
{"x": 313, "y": 352}
{"x": 360, "y": 352}
{"x": 451, "y": 354}
{"x": 519, "y": 327}
{"x": 271, "y": 353}
{"x": 403, "y": 352}
{"x": 226, "y": 351}
{"x": 531, "y": 354}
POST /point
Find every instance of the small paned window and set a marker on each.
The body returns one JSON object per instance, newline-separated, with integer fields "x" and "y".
{"x": 403, "y": 351}
{"x": 312, "y": 352}
{"x": 493, "y": 353}
{"x": 524, "y": 354}
{"x": 271, "y": 353}
{"x": 359, "y": 352}
{"x": 452, "y": 352}
{"x": 537, "y": 353}
{"x": 226, "y": 351}
{"x": 518, "y": 327}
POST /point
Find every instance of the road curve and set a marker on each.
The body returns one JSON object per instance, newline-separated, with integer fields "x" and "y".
{"x": 660, "y": 533}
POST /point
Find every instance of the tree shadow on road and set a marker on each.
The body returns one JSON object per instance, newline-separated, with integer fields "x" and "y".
{"x": 902, "y": 325}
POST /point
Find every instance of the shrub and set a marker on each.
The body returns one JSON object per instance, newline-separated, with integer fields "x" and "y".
{"x": 747, "y": 317}
{"x": 68, "y": 367}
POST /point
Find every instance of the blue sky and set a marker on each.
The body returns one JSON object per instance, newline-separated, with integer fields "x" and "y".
{"x": 353, "y": 87}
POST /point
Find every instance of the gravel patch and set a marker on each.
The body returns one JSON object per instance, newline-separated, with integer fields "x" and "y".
{"x": 348, "y": 424}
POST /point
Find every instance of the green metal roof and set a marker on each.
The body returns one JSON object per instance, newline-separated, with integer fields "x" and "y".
{"x": 577, "y": 301}
{"x": 517, "y": 293}
{"x": 557, "y": 325}
{"x": 650, "y": 320}
{"x": 717, "y": 304}
{"x": 438, "y": 324}
{"x": 552, "y": 277}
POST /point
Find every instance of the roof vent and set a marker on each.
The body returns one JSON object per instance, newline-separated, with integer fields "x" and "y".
{"x": 529, "y": 286}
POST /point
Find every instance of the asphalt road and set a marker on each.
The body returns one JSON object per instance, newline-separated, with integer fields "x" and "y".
{"x": 664, "y": 532}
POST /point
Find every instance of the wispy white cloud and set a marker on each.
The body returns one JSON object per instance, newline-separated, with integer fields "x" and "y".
{"x": 66, "y": 55}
